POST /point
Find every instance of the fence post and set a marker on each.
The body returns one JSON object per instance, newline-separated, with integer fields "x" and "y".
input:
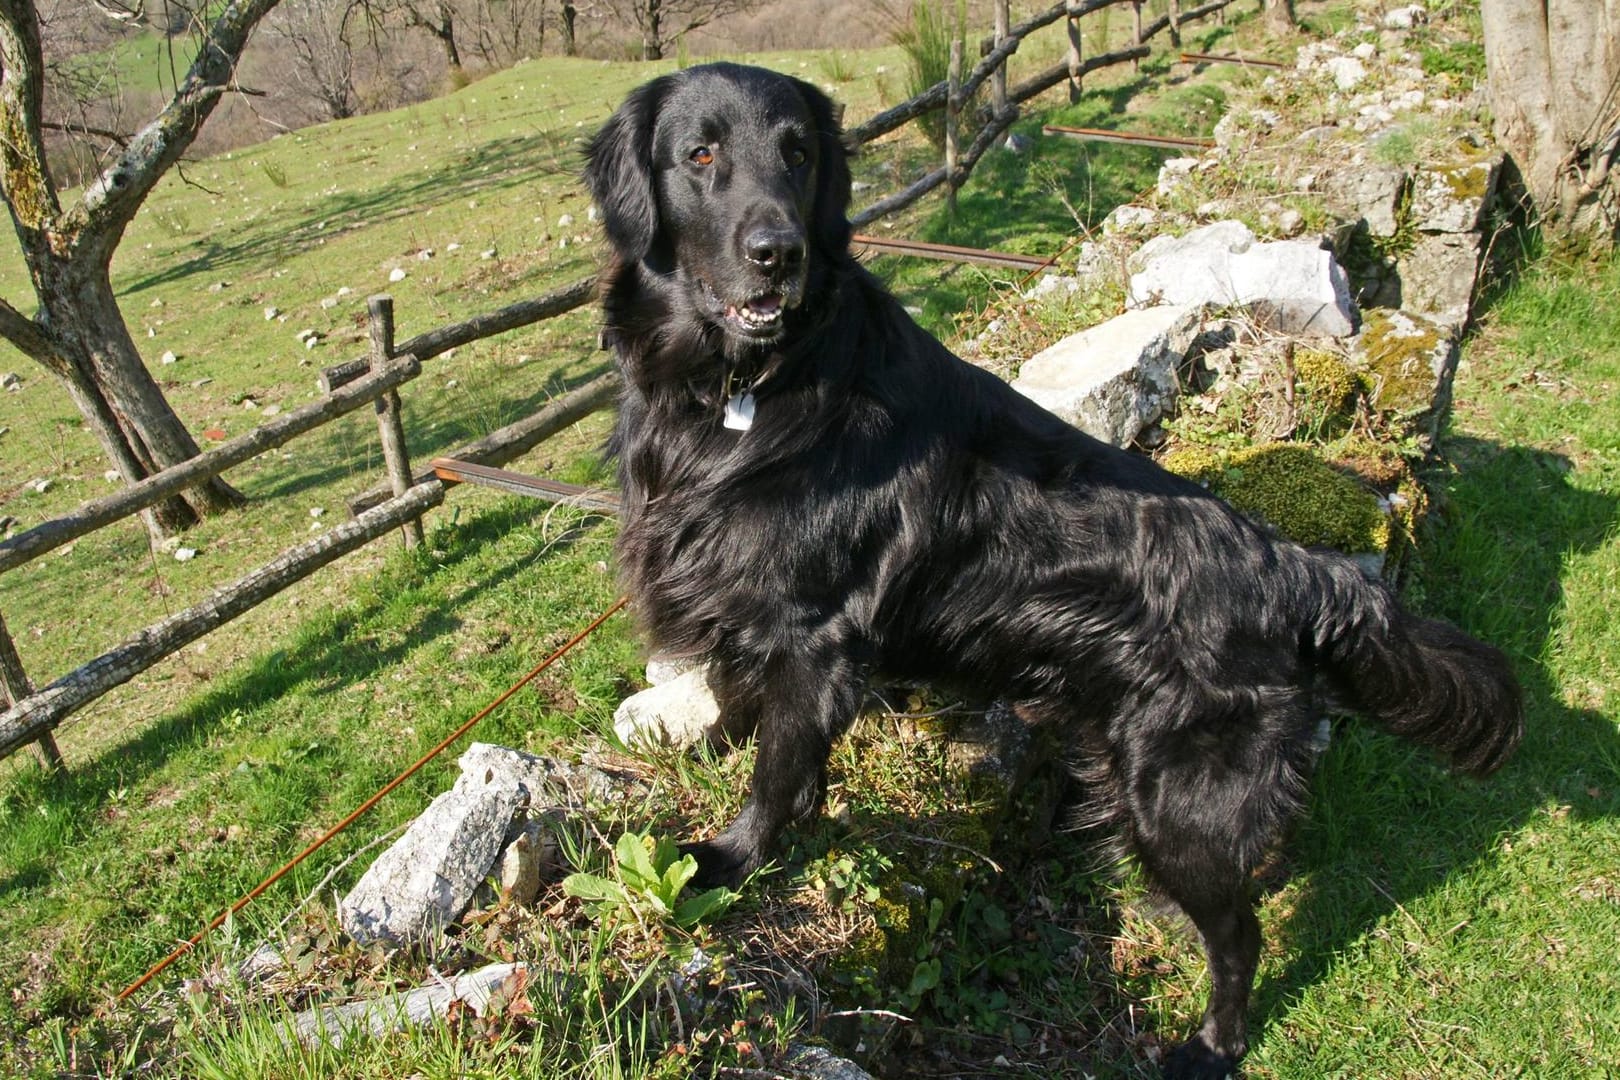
{"x": 998, "y": 81}
{"x": 953, "y": 120}
{"x": 1073, "y": 23}
{"x": 1175, "y": 23}
{"x": 1136, "y": 31}
{"x": 14, "y": 687}
{"x": 390, "y": 425}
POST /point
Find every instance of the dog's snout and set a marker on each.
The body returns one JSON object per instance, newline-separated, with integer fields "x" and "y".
{"x": 774, "y": 247}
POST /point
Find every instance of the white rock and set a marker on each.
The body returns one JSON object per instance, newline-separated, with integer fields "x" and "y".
{"x": 1189, "y": 269}
{"x": 397, "y": 274}
{"x": 1114, "y": 379}
{"x": 681, "y": 712}
{"x": 184, "y": 554}
{"x": 1365, "y": 51}
{"x": 1348, "y": 72}
{"x": 565, "y": 220}
{"x": 1405, "y": 18}
{"x": 1174, "y": 172}
{"x": 41, "y": 486}
{"x": 425, "y": 881}
{"x": 11, "y": 381}
{"x": 168, "y": 357}
{"x": 1294, "y": 285}
{"x": 328, "y": 303}
{"x": 270, "y": 313}
{"x": 1126, "y": 216}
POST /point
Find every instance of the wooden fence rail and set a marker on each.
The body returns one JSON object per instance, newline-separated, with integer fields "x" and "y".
{"x": 30, "y": 715}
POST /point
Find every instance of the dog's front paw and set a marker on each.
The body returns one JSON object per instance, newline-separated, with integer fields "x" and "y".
{"x": 1197, "y": 1060}
{"x": 721, "y": 862}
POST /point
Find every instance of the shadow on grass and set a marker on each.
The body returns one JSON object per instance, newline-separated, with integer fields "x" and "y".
{"x": 1387, "y": 823}
{"x": 435, "y": 423}
{"x": 329, "y": 655}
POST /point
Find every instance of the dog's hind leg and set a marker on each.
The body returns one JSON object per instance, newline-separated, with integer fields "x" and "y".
{"x": 1205, "y": 802}
{"x": 799, "y": 706}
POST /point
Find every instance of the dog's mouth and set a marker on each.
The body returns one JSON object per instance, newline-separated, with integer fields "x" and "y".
{"x": 758, "y": 318}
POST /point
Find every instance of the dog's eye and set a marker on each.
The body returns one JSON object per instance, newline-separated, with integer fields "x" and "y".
{"x": 797, "y": 157}
{"x": 702, "y": 156}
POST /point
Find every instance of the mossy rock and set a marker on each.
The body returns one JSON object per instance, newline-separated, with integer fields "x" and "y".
{"x": 1402, "y": 357}
{"x": 1303, "y": 497}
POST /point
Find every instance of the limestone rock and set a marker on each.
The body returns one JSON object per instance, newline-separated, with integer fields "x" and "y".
{"x": 1371, "y": 193}
{"x": 425, "y": 881}
{"x": 1114, "y": 379}
{"x": 805, "y": 1062}
{"x": 334, "y": 1024}
{"x": 1454, "y": 198}
{"x": 681, "y": 712}
{"x": 1438, "y": 276}
{"x": 1295, "y": 286}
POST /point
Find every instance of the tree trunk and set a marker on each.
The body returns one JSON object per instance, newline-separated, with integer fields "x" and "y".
{"x": 1554, "y": 80}
{"x": 569, "y": 14}
{"x": 445, "y": 31}
{"x": 79, "y": 335}
{"x": 652, "y": 42}
{"x": 1280, "y": 16}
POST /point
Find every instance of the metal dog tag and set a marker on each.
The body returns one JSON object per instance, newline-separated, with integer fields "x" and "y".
{"x": 739, "y": 412}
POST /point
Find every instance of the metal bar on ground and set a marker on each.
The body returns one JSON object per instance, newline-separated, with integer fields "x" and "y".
{"x": 1215, "y": 58}
{"x": 1168, "y": 142}
{"x": 451, "y": 471}
{"x": 948, "y": 252}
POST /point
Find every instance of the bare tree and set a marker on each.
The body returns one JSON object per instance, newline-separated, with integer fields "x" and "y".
{"x": 567, "y": 19}
{"x": 508, "y": 30}
{"x": 79, "y": 334}
{"x": 318, "y": 37}
{"x": 1554, "y": 73}
{"x": 437, "y": 17}
{"x": 661, "y": 22}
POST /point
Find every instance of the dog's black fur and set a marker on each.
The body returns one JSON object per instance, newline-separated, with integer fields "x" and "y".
{"x": 895, "y": 510}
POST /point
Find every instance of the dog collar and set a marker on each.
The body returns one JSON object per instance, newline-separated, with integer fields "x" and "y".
{"x": 737, "y": 395}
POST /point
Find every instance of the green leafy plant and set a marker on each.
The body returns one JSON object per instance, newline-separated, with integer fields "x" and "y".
{"x": 649, "y": 876}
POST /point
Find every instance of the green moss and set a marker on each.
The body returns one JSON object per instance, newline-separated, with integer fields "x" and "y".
{"x": 1304, "y": 498}
{"x": 1197, "y": 463}
{"x": 1326, "y": 391}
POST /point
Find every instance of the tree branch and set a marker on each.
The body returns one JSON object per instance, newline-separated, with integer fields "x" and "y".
{"x": 28, "y": 336}
{"x": 110, "y": 201}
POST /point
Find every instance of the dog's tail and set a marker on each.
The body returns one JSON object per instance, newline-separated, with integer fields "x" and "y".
{"x": 1419, "y": 678}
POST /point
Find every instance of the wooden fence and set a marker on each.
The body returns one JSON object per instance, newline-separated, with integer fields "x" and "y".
{"x": 32, "y": 715}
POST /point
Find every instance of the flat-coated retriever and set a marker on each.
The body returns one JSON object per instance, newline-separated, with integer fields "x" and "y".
{"x": 816, "y": 491}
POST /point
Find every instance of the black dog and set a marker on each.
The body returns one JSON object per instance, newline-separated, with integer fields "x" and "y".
{"x": 815, "y": 490}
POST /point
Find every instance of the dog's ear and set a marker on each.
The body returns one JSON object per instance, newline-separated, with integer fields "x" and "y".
{"x": 831, "y": 225}
{"x": 618, "y": 169}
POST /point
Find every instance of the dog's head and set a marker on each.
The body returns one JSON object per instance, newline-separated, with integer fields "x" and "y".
{"x": 732, "y": 180}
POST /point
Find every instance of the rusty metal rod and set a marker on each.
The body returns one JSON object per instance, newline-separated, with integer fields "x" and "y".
{"x": 444, "y": 744}
{"x": 949, "y": 252}
{"x": 1169, "y": 142}
{"x": 451, "y": 471}
{"x": 1213, "y": 58}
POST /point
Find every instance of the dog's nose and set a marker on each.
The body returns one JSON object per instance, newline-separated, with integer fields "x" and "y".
{"x": 774, "y": 248}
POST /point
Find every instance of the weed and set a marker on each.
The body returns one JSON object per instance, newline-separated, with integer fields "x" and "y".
{"x": 649, "y": 875}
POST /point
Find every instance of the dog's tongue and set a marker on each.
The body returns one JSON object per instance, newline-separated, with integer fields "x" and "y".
{"x": 767, "y": 305}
